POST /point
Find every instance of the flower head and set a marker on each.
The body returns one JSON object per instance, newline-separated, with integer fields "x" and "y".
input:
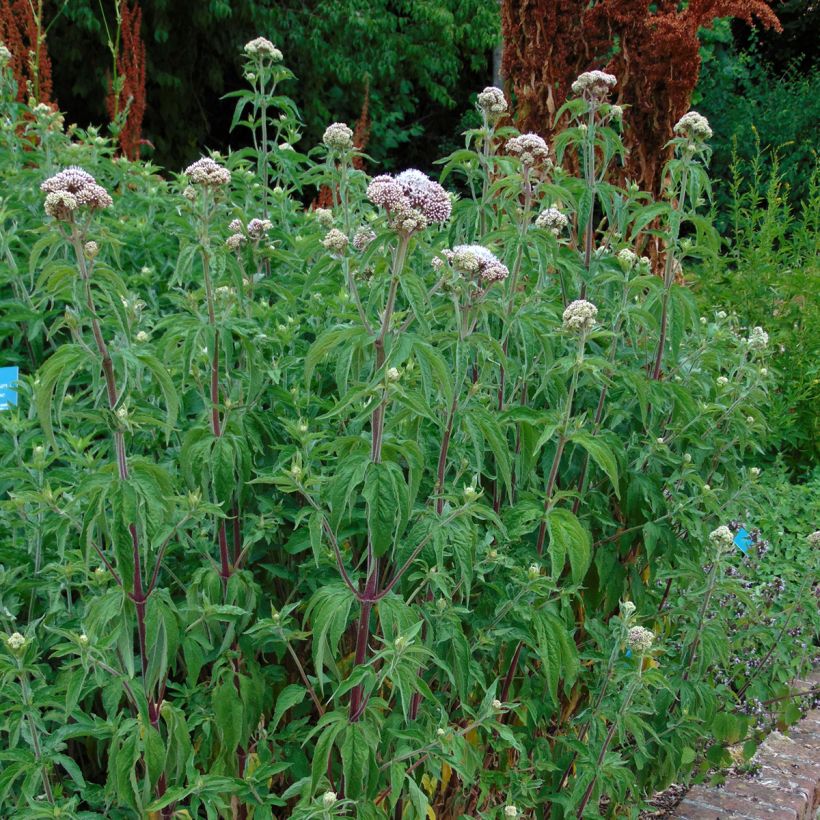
{"x": 693, "y": 126}
{"x": 15, "y": 642}
{"x": 257, "y": 228}
{"x": 411, "y": 199}
{"x": 324, "y": 216}
{"x": 627, "y": 258}
{"x": 338, "y": 137}
{"x": 627, "y": 609}
{"x": 491, "y": 101}
{"x": 510, "y": 811}
{"x": 328, "y": 799}
{"x": 262, "y": 47}
{"x": 552, "y": 220}
{"x": 580, "y": 316}
{"x": 594, "y": 85}
{"x": 758, "y": 339}
{"x": 235, "y": 241}
{"x": 206, "y": 171}
{"x": 335, "y": 241}
{"x": 476, "y": 259}
{"x": 363, "y": 237}
{"x": 529, "y": 148}
{"x": 640, "y": 640}
{"x": 814, "y": 538}
{"x": 722, "y": 537}
{"x": 5, "y": 55}
{"x": 71, "y": 189}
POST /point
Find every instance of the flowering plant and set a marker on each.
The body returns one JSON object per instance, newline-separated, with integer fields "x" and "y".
{"x": 422, "y": 502}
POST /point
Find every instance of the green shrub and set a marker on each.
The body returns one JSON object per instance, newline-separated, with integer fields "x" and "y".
{"x": 743, "y": 95}
{"x": 768, "y": 274}
{"x": 422, "y": 503}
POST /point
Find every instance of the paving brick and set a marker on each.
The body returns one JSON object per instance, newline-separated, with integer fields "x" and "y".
{"x": 756, "y": 791}
{"x": 690, "y": 810}
{"x": 786, "y": 787}
{"x": 790, "y": 781}
{"x": 727, "y": 804}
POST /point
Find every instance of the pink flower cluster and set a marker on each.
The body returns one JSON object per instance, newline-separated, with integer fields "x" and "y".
{"x": 411, "y": 199}
{"x": 71, "y": 189}
{"x": 206, "y": 171}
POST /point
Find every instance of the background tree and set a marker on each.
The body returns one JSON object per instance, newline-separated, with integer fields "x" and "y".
{"x": 653, "y": 49}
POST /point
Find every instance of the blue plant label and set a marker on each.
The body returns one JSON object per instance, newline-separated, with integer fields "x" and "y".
{"x": 8, "y": 387}
{"x": 743, "y": 540}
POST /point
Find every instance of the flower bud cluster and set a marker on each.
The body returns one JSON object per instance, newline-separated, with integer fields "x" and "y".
{"x": 640, "y": 640}
{"x": 594, "y": 85}
{"x": 363, "y": 237}
{"x": 552, "y": 220}
{"x": 338, "y": 137}
{"x": 411, "y": 199}
{"x": 208, "y": 172}
{"x": 722, "y": 537}
{"x": 477, "y": 260}
{"x": 758, "y": 339}
{"x": 529, "y": 148}
{"x": 580, "y": 316}
{"x": 335, "y": 241}
{"x": 491, "y": 101}
{"x": 71, "y": 189}
{"x": 693, "y": 126}
{"x": 262, "y": 47}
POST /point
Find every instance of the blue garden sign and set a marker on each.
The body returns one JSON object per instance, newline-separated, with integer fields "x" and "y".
{"x": 743, "y": 540}
{"x": 8, "y": 387}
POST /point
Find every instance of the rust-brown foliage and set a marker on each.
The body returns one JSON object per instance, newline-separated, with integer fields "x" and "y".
{"x": 654, "y": 54}
{"x": 25, "y": 39}
{"x": 131, "y": 68}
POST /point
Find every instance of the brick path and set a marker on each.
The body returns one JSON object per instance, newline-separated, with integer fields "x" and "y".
{"x": 787, "y": 787}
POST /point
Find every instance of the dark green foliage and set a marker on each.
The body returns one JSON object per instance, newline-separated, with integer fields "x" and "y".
{"x": 419, "y": 59}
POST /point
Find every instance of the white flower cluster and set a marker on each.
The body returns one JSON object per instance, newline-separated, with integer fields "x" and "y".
{"x": 640, "y": 640}
{"x": 552, "y": 220}
{"x": 324, "y": 216}
{"x": 580, "y": 316}
{"x": 363, "y": 237}
{"x": 235, "y": 241}
{"x": 15, "y": 641}
{"x": 476, "y": 259}
{"x": 411, "y": 199}
{"x": 255, "y": 230}
{"x": 338, "y": 137}
{"x": 491, "y": 101}
{"x": 5, "y": 55}
{"x": 758, "y": 339}
{"x": 206, "y": 171}
{"x": 335, "y": 241}
{"x": 71, "y": 189}
{"x": 262, "y": 47}
{"x": 628, "y": 258}
{"x": 594, "y": 85}
{"x": 722, "y": 537}
{"x": 694, "y": 127}
{"x": 529, "y": 148}
{"x": 814, "y": 539}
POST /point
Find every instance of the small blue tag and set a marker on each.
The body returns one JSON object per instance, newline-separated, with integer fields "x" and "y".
{"x": 8, "y": 387}
{"x": 629, "y": 653}
{"x": 743, "y": 540}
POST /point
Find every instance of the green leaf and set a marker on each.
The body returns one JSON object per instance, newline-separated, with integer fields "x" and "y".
{"x": 380, "y": 493}
{"x": 289, "y": 697}
{"x": 601, "y": 455}
{"x": 568, "y": 538}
